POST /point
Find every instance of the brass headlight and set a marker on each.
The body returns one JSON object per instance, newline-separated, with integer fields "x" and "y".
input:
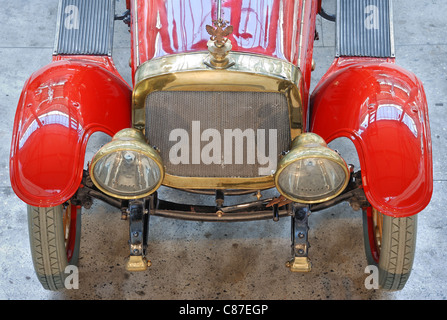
{"x": 311, "y": 172}
{"x": 127, "y": 167}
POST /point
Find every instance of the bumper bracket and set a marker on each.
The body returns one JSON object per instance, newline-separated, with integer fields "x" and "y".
{"x": 138, "y": 232}
{"x": 300, "y": 244}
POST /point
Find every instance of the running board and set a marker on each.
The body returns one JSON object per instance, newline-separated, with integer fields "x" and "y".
{"x": 364, "y": 28}
{"x": 85, "y": 27}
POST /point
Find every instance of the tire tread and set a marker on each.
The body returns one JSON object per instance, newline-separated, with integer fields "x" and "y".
{"x": 47, "y": 246}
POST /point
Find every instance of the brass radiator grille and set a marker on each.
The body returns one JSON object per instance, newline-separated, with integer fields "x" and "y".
{"x": 247, "y": 127}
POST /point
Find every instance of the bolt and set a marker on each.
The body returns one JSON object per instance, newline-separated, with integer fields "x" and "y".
{"x": 136, "y": 251}
{"x": 301, "y": 235}
{"x": 135, "y": 234}
{"x": 355, "y": 205}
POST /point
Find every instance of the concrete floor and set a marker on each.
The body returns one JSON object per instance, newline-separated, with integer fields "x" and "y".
{"x": 193, "y": 260}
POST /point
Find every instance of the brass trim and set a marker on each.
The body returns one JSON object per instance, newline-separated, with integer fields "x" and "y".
{"x": 257, "y": 183}
{"x": 305, "y": 146}
{"x": 299, "y": 264}
{"x": 137, "y": 263}
{"x": 219, "y": 32}
{"x": 133, "y": 140}
{"x": 189, "y": 72}
{"x": 218, "y": 57}
{"x": 219, "y": 46}
{"x": 193, "y": 61}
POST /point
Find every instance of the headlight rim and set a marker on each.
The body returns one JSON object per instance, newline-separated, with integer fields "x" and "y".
{"x": 299, "y": 153}
{"x": 133, "y": 141}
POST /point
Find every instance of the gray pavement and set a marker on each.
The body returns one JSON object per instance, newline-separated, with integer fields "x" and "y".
{"x": 194, "y": 260}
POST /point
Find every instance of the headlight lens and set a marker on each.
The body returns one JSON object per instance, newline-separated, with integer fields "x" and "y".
{"x": 311, "y": 172}
{"x": 127, "y": 167}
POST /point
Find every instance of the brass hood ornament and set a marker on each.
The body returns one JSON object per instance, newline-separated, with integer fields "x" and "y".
{"x": 219, "y": 45}
{"x": 219, "y": 32}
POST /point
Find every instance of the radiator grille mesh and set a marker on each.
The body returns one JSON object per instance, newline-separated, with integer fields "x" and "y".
{"x": 197, "y": 111}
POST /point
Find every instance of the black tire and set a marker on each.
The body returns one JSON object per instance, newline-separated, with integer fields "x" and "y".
{"x": 392, "y": 250}
{"x": 54, "y": 245}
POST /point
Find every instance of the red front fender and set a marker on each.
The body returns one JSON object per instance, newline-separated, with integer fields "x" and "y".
{"x": 61, "y": 105}
{"x": 382, "y": 108}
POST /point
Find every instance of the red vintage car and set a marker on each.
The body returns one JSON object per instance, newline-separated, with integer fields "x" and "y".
{"x": 220, "y": 104}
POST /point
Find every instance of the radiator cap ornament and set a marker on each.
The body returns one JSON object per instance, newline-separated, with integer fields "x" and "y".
{"x": 219, "y": 45}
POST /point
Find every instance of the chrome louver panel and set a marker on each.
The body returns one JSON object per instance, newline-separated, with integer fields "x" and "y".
{"x": 365, "y": 28}
{"x": 85, "y": 27}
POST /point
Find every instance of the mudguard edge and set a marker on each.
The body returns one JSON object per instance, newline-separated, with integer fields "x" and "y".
{"x": 382, "y": 109}
{"x": 60, "y": 107}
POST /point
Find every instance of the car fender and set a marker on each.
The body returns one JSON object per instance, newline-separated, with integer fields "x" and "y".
{"x": 61, "y": 105}
{"x": 382, "y": 109}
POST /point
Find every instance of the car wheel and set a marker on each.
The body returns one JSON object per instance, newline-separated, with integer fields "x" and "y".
{"x": 390, "y": 245}
{"x": 54, "y": 234}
